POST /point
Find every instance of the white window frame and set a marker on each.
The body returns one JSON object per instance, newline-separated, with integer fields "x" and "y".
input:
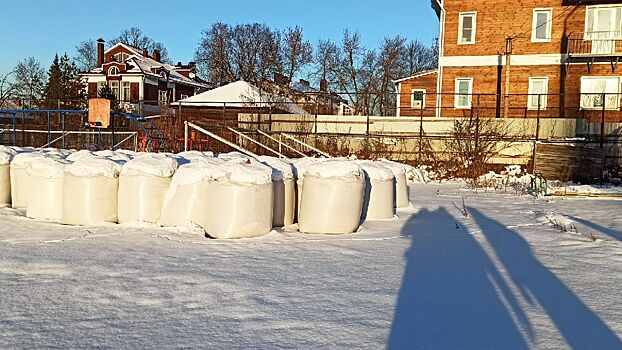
{"x": 116, "y": 71}
{"x": 587, "y": 96}
{"x": 100, "y": 85}
{"x": 162, "y": 101}
{"x": 412, "y": 98}
{"x": 123, "y": 95}
{"x": 532, "y": 99}
{"x": 461, "y": 17}
{"x": 589, "y": 35}
{"x": 182, "y": 96}
{"x": 114, "y": 84}
{"x": 548, "y": 25}
{"x": 458, "y": 95}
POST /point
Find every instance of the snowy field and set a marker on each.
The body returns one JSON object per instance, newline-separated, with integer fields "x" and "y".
{"x": 515, "y": 273}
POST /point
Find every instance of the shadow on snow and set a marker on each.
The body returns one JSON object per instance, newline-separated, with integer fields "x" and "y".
{"x": 453, "y": 297}
{"x": 607, "y": 231}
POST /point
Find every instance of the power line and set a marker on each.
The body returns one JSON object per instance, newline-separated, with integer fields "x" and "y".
{"x": 549, "y": 21}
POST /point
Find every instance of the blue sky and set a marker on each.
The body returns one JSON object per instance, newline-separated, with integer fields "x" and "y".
{"x": 42, "y": 28}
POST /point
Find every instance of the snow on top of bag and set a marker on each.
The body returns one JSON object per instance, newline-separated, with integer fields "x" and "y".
{"x": 95, "y": 166}
{"x": 376, "y": 170}
{"x": 191, "y": 156}
{"x": 80, "y": 154}
{"x": 50, "y": 167}
{"x": 233, "y": 155}
{"x": 281, "y": 169}
{"x": 301, "y": 165}
{"x": 243, "y": 172}
{"x": 6, "y": 155}
{"x": 153, "y": 164}
{"x": 195, "y": 171}
{"x": 396, "y": 168}
{"x": 334, "y": 168}
{"x": 22, "y": 160}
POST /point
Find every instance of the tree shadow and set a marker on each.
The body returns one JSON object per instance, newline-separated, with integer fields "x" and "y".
{"x": 607, "y": 231}
{"x": 452, "y": 296}
{"x": 578, "y": 324}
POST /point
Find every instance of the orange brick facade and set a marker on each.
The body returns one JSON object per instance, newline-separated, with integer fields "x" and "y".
{"x": 485, "y": 62}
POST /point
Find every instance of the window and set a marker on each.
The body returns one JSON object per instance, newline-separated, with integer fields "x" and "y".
{"x": 603, "y": 25}
{"x": 125, "y": 91}
{"x": 100, "y": 86}
{"x": 182, "y": 96}
{"x": 599, "y": 92}
{"x": 162, "y": 97}
{"x": 542, "y": 25}
{"x": 538, "y": 90}
{"x": 113, "y": 71}
{"x": 466, "y": 28}
{"x": 114, "y": 86}
{"x": 464, "y": 91}
{"x": 417, "y": 99}
{"x": 121, "y": 57}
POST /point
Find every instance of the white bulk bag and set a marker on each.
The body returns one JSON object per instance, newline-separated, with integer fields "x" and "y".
{"x": 401, "y": 185}
{"x": 143, "y": 183}
{"x": 45, "y": 198}
{"x": 20, "y": 187}
{"x": 188, "y": 193}
{"x": 284, "y": 191}
{"x": 90, "y": 191}
{"x": 6, "y": 154}
{"x": 379, "y": 198}
{"x": 240, "y": 202}
{"x": 301, "y": 165}
{"x": 332, "y": 198}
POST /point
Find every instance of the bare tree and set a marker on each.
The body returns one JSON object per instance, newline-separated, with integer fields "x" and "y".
{"x": 297, "y": 52}
{"x": 7, "y": 88}
{"x": 390, "y": 63}
{"x": 213, "y": 54}
{"x": 135, "y": 37}
{"x": 326, "y": 60}
{"x": 418, "y": 57}
{"x": 29, "y": 79}
{"x": 86, "y": 55}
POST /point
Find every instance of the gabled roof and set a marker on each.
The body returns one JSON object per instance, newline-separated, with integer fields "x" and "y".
{"x": 437, "y": 7}
{"x": 417, "y": 75}
{"x": 132, "y": 49}
{"x": 243, "y": 95}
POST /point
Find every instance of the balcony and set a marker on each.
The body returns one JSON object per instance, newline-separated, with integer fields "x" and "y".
{"x": 594, "y": 47}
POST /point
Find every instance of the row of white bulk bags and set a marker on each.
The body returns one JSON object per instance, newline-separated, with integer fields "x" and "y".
{"x": 240, "y": 200}
{"x": 188, "y": 193}
{"x": 332, "y": 197}
{"x": 45, "y": 181}
{"x": 90, "y": 191}
{"x": 6, "y": 155}
{"x": 379, "y": 197}
{"x": 401, "y": 185}
{"x": 300, "y": 166}
{"x": 284, "y": 190}
{"x": 143, "y": 184}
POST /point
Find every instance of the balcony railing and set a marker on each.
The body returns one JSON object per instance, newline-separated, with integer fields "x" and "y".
{"x": 594, "y": 44}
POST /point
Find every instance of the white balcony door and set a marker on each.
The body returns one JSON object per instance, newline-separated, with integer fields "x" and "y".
{"x": 603, "y": 29}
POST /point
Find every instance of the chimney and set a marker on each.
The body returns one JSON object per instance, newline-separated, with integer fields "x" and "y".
{"x": 178, "y": 64}
{"x": 192, "y": 64}
{"x": 304, "y": 82}
{"x": 145, "y": 53}
{"x": 280, "y": 79}
{"x": 156, "y": 55}
{"x": 100, "y": 52}
{"x": 324, "y": 85}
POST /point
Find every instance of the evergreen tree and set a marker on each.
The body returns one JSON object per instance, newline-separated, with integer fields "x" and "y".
{"x": 64, "y": 88}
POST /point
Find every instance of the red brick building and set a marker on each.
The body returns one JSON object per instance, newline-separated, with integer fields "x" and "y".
{"x": 516, "y": 58}
{"x": 135, "y": 77}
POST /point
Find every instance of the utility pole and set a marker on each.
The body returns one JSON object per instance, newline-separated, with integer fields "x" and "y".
{"x": 508, "y": 54}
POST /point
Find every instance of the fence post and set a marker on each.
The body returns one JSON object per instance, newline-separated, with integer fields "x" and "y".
{"x": 112, "y": 129}
{"x": 602, "y": 122}
{"x": 185, "y": 135}
{"x": 477, "y": 123}
{"x": 420, "y": 135}
{"x": 538, "y": 119}
{"x": 62, "y": 116}
{"x": 49, "y": 136}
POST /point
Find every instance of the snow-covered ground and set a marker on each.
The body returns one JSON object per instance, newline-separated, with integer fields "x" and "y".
{"x": 514, "y": 273}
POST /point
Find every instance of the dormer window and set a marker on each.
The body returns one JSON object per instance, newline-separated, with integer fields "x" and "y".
{"x": 113, "y": 71}
{"x": 163, "y": 75}
{"x": 121, "y": 57}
